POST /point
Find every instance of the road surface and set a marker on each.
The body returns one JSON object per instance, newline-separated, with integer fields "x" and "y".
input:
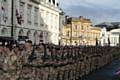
{"x": 105, "y": 73}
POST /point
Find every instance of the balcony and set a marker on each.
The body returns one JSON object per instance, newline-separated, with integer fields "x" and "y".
{"x": 36, "y": 1}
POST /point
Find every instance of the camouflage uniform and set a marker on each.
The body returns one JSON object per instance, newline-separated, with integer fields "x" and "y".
{"x": 15, "y": 64}
{"x": 2, "y": 63}
{"x": 25, "y": 72}
{"x": 25, "y": 55}
{"x": 39, "y": 53}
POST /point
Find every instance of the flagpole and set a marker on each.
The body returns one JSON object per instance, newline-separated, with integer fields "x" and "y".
{"x": 12, "y": 17}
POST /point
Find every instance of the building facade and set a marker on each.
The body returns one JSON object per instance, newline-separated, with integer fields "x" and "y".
{"x": 71, "y": 31}
{"x": 50, "y": 14}
{"x": 114, "y": 37}
{"x": 38, "y": 20}
{"x": 110, "y": 33}
{"x": 79, "y": 31}
{"x": 95, "y": 36}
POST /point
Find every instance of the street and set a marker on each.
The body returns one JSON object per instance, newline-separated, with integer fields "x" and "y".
{"x": 105, "y": 73}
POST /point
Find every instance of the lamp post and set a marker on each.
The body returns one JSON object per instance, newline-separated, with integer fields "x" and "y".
{"x": 12, "y": 17}
{"x": 96, "y": 41}
{"x": 59, "y": 40}
{"x": 119, "y": 39}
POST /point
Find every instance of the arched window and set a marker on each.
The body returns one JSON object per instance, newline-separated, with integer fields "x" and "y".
{"x": 21, "y": 33}
{"x": 35, "y": 33}
{"x": 29, "y": 34}
{"x": 41, "y": 37}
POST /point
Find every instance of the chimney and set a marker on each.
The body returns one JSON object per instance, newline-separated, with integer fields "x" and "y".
{"x": 81, "y": 17}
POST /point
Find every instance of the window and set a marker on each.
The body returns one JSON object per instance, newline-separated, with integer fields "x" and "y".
{"x": 68, "y": 33}
{"x": 51, "y": 19}
{"x": 21, "y": 32}
{"x": 75, "y": 27}
{"x": 47, "y": 18}
{"x": 29, "y": 14}
{"x": 103, "y": 35}
{"x": 54, "y": 2}
{"x": 87, "y": 27}
{"x": 41, "y": 17}
{"x": 29, "y": 34}
{"x": 21, "y": 9}
{"x": 76, "y": 33}
{"x": 4, "y": 31}
{"x": 4, "y": 10}
{"x": 36, "y": 15}
{"x": 57, "y": 4}
{"x": 81, "y": 27}
{"x": 56, "y": 19}
{"x": 50, "y": 1}
{"x": 41, "y": 37}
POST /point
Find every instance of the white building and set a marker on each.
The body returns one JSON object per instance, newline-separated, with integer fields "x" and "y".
{"x": 110, "y": 34}
{"x": 50, "y": 15}
{"x": 36, "y": 19}
{"x": 113, "y": 36}
{"x": 104, "y": 37}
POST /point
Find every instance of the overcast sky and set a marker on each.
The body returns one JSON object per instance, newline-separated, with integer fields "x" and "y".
{"x": 97, "y": 10}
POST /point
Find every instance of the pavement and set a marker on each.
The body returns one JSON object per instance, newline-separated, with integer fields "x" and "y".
{"x": 105, "y": 73}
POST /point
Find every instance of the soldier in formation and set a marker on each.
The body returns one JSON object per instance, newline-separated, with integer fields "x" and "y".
{"x": 23, "y": 61}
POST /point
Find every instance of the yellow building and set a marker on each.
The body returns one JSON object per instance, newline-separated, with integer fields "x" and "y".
{"x": 79, "y": 31}
{"x": 94, "y": 35}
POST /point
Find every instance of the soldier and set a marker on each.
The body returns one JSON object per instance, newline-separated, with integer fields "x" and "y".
{"x": 15, "y": 62}
{"x": 48, "y": 57}
{"x": 2, "y": 57}
{"x": 6, "y": 53}
{"x": 39, "y": 52}
{"x": 21, "y": 45}
{"x": 64, "y": 54}
{"x": 53, "y": 54}
{"x": 58, "y": 54}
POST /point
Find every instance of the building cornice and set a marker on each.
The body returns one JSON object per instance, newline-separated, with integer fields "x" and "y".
{"x": 52, "y": 7}
{"x": 35, "y": 1}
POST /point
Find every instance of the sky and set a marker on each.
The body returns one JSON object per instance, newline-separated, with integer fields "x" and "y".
{"x": 96, "y": 10}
